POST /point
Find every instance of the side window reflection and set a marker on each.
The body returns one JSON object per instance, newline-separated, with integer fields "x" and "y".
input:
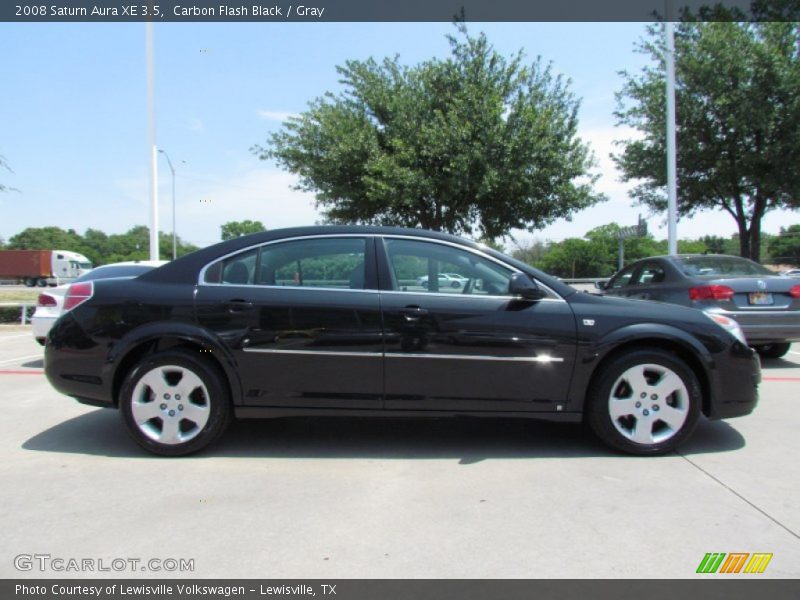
{"x": 437, "y": 268}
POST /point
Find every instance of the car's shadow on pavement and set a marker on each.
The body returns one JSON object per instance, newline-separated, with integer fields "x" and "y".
{"x": 34, "y": 364}
{"x": 102, "y": 433}
{"x": 777, "y": 363}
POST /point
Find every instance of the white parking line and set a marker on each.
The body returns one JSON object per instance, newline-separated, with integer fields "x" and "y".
{"x": 10, "y": 337}
{"x": 791, "y": 352}
{"x": 11, "y": 360}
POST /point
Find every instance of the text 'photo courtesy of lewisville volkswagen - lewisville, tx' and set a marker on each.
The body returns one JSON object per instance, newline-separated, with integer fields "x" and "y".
{"x": 364, "y": 299}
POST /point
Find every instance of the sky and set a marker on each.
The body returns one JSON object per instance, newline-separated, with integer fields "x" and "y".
{"x": 73, "y": 124}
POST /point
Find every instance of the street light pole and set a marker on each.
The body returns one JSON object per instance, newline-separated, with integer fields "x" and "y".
{"x": 672, "y": 175}
{"x": 151, "y": 122}
{"x": 174, "y": 237}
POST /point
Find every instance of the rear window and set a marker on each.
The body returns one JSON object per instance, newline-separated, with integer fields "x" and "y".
{"x": 111, "y": 272}
{"x": 714, "y": 267}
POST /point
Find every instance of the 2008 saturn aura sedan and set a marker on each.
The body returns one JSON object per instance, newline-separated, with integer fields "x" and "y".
{"x": 331, "y": 321}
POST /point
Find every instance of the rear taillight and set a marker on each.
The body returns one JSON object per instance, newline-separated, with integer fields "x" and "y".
{"x": 45, "y": 300}
{"x": 711, "y": 292}
{"x": 794, "y": 291}
{"x": 78, "y": 293}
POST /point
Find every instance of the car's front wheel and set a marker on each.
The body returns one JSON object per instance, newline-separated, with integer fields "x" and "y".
{"x": 175, "y": 403}
{"x": 644, "y": 402}
{"x": 773, "y": 350}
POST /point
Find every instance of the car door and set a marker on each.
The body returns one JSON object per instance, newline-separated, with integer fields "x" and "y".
{"x": 471, "y": 347}
{"x": 648, "y": 282}
{"x": 300, "y": 320}
{"x": 621, "y": 283}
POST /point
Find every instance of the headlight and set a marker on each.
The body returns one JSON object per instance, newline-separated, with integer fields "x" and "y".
{"x": 728, "y": 325}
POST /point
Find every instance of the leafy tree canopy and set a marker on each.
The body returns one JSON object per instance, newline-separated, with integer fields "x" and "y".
{"x": 597, "y": 253}
{"x": 98, "y": 247}
{"x": 785, "y": 248}
{"x": 472, "y": 144}
{"x": 234, "y": 229}
{"x": 738, "y": 122}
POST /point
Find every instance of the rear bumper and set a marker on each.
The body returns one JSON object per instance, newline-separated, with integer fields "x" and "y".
{"x": 736, "y": 375}
{"x": 768, "y": 326}
{"x": 41, "y": 325}
{"x": 72, "y": 364}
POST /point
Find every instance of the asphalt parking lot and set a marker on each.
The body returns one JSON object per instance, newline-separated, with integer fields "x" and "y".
{"x": 381, "y": 498}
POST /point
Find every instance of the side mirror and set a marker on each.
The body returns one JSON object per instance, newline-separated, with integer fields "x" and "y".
{"x": 601, "y": 285}
{"x": 523, "y": 286}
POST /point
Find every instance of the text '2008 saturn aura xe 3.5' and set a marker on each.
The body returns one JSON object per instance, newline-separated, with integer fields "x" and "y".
{"x": 334, "y": 321}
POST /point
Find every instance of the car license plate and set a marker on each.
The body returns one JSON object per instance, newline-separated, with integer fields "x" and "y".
{"x": 760, "y": 298}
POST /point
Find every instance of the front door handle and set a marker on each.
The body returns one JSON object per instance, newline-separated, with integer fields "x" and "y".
{"x": 413, "y": 314}
{"x": 238, "y": 305}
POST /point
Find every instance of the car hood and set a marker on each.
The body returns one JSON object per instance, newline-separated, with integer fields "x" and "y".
{"x": 641, "y": 310}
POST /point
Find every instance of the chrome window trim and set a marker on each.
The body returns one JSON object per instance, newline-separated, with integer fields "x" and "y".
{"x": 555, "y": 296}
{"x": 202, "y": 273}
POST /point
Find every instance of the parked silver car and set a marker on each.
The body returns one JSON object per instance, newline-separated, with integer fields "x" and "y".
{"x": 766, "y": 305}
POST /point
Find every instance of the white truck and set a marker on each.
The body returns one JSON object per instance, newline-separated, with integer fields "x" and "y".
{"x": 42, "y": 267}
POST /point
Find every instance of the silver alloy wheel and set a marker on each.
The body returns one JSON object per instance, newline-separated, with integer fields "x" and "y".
{"x": 170, "y": 404}
{"x": 648, "y": 404}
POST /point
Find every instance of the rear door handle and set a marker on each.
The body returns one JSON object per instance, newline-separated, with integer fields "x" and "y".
{"x": 238, "y": 305}
{"x": 413, "y": 313}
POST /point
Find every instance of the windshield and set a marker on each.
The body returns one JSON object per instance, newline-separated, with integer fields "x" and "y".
{"x": 715, "y": 267}
{"x": 118, "y": 271}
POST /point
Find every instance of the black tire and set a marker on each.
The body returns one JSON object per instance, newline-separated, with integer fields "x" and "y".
{"x": 456, "y": 284}
{"x": 208, "y": 408}
{"x": 682, "y": 406}
{"x": 773, "y": 350}
{"x": 42, "y": 283}
{"x": 30, "y": 282}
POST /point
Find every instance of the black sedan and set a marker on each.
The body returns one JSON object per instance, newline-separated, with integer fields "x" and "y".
{"x": 766, "y": 306}
{"x": 330, "y": 321}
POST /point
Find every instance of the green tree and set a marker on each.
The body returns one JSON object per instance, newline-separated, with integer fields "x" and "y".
{"x": 46, "y": 238}
{"x": 576, "y": 257}
{"x": 234, "y": 229}
{"x": 785, "y": 247}
{"x": 530, "y": 252}
{"x": 472, "y": 144}
{"x": 98, "y": 247}
{"x": 738, "y": 122}
{"x": 135, "y": 245}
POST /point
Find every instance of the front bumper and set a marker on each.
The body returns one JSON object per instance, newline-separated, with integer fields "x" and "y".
{"x": 736, "y": 376}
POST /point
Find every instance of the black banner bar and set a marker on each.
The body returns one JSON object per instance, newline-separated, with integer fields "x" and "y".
{"x": 707, "y": 588}
{"x": 383, "y": 10}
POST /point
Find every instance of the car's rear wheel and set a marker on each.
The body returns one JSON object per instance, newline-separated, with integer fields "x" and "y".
{"x": 644, "y": 402}
{"x": 175, "y": 403}
{"x": 773, "y": 350}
